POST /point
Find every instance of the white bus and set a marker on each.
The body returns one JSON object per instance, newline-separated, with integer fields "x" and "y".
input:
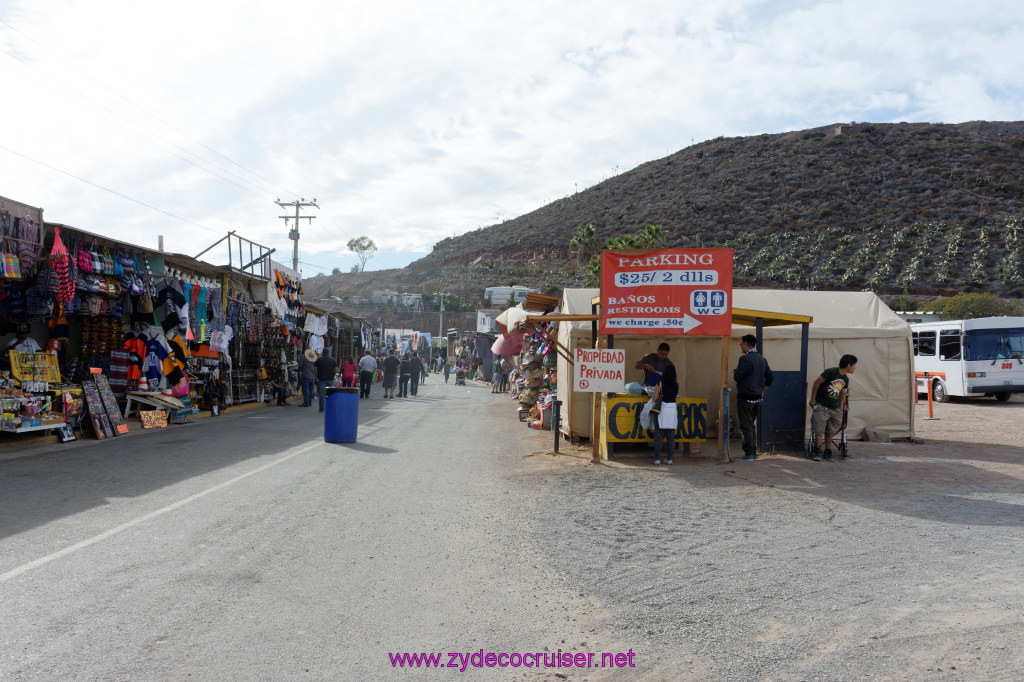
{"x": 981, "y": 357}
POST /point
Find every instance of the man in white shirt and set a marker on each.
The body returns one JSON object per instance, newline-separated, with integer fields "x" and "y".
{"x": 367, "y": 364}
{"x": 24, "y": 342}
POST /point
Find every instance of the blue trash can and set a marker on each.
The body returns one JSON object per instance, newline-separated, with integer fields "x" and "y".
{"x": 341, "y": 415}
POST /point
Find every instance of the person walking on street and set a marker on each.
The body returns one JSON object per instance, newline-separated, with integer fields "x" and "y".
{"x": 753, "y": 376}
{"x": 828, "y": 398}
{"x": 307, "y": 374}
{"x": 403, "y": 377}
{"x": 349, "y": 371}
{"x": 415, "y": 372}
{"x": 447, "y": 371}
{"x": 326, "y": 373}
{"x": 367, "y": 365}
{"x": 391, "y": 367}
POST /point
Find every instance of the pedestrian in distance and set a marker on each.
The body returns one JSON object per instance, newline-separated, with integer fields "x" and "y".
{"x": 753, "y": 377}
{"x": 415, "y": 372}
{"x": 496, "y": 379}
{"x": 391, "y": 367}
{"x": 403, "y": 377}
{"x": 828, "y": 398}
{"x": 506, "y": 373}
{"x": 326, "y": 375}
{"x": 349, "y": 372}
{"x": 307, "y": 375}
{"x": 665, "y": 423}
{"x": 367, "y": 366}
{"x": 447, "y": 371}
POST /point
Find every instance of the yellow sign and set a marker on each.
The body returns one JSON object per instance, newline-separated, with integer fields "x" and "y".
{"x": 620, "y": 421}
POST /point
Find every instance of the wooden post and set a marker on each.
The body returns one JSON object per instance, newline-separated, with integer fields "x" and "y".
{"x": 721, "y": 405}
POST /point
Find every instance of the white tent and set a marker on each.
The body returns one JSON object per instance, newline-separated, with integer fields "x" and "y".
{"x": 881, "y": 389}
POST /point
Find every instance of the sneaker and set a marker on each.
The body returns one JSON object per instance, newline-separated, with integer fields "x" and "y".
{"x": 816, "y": 455}
{"x": 827, "y": 455}
{"x": 747, "y": 458}
{"x": 668, "y": 462}
{"x": 657, "y": 462}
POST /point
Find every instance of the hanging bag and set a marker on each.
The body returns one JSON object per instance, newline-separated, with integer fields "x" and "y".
{"x": 114, "y": 261}
{"x": 83, "y": 258}
{"x": 10, "y": 266}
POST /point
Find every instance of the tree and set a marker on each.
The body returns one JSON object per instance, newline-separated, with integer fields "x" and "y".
{"x": 363, "y": 247}
{"x": 652, "y": 236}
{"x": 966, "y": 306}
{"x": 584, "y": 244}
{"x": 431, "y": 287}
{"x": 354, "y": 268}
{"x": 336, "y": 271}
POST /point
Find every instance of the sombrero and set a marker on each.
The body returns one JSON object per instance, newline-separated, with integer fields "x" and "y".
{"x": 310, "y": 355}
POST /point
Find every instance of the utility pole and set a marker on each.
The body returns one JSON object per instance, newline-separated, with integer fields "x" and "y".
{"x": 293, "y": 234}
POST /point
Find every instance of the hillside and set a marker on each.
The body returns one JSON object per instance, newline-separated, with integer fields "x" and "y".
{"x": 917, "y": 207}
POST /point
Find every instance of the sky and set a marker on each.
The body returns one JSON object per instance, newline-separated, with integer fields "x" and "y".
{"x": 410, "y": 122}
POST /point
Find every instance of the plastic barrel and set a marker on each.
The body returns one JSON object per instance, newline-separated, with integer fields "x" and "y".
{"x": 341, "y": 415}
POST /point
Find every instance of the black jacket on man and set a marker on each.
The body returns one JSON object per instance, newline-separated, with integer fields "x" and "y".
{"x": 752, "y": 376}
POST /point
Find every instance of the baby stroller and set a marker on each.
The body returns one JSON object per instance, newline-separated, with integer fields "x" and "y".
{"x": 460, "y": 377}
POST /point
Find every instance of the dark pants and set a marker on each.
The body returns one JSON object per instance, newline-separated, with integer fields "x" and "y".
{"x": 307, "y": 391}
{"x": 748, "y": 413}
{"x": 403, "y": 385}
{"x": 415, "y": 383}
{"x": 666, "y": 435}
{"x": 365, "y": 379}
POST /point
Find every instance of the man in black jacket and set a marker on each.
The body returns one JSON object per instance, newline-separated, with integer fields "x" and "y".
{"x": 752, "y": 377}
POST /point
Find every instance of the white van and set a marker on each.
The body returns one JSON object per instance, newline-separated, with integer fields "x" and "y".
{"x": 981, "y": 357}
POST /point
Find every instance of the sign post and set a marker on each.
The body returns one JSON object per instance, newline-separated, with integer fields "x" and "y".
{"x": 672, "y": 292}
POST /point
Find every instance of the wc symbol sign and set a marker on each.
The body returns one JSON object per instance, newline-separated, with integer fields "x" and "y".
{"x": 708, "y": 302}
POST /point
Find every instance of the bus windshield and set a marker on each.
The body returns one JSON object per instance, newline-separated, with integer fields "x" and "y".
{"x": 994, "y": 344}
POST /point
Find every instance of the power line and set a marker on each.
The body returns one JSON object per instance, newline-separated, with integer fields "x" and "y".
{"x": 140, "y": 107}
{"x": 151, "y": 133}
{"x": 107, "y": 189}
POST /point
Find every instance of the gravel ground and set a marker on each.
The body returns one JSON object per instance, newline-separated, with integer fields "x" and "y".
{"x": 903, "y": 562}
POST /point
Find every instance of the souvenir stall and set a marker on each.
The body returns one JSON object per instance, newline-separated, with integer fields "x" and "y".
{"x": 284, "y": 298}
{"x": 32, "y": 393}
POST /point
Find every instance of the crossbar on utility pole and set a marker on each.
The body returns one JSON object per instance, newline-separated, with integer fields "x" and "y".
{"x": 294, "y": 233}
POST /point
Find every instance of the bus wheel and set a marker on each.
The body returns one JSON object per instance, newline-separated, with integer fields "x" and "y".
{"x": 939, "y": 394}
{"x": 1003, "y": 396}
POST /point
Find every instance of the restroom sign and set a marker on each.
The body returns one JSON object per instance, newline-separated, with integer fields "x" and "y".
{"x": 675, "y": 291}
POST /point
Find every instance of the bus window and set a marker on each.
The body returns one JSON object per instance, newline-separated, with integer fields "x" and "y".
{"x": 915, "y": 342}
{"x": 995, "y": 344}
{"x": 949, "y": 344}
{"x": 926, "y": 343}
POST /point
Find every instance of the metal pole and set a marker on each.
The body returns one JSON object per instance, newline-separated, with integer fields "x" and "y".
{"x": 295, "y": 247}
{"x": 556, "y": 418}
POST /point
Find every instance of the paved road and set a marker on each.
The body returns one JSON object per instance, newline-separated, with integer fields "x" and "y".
{"x": 245, "y": 548}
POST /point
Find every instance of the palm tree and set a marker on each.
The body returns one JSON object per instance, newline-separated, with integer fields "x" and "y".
{"x": 584, "y": 244}
{"x": 652, "y": 236}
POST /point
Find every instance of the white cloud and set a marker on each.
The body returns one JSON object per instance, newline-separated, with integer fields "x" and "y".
{"x": 411, "y": 121}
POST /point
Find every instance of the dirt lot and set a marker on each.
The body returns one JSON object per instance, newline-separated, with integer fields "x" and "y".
{"x": 902, "y": 563}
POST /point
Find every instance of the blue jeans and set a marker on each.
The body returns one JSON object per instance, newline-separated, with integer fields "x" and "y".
{"x": 321, "y": 388}
{"x": 307, "y": 391}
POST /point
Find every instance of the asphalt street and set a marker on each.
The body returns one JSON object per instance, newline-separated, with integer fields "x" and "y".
{"x": 244, "y": 547}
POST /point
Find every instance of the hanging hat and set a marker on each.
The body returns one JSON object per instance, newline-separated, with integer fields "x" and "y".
{"x": 310, "y": 355}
